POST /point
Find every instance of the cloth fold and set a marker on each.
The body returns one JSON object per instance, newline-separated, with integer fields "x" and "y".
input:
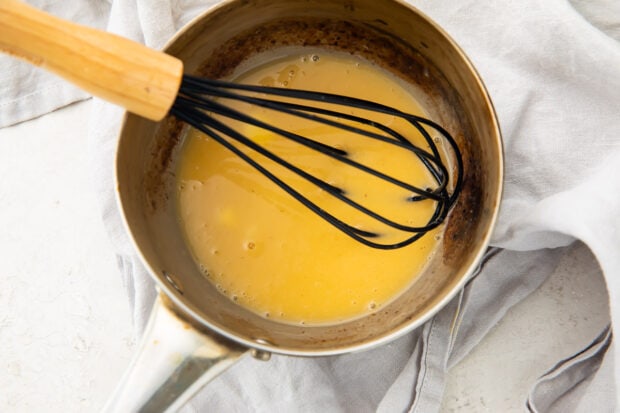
{"x": 552, "y": 70}
{"x": 27, "y": 92}
{"x": 557, "y": 389}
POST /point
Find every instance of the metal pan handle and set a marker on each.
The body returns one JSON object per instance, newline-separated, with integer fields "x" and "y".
{"x": 173, "y": 362}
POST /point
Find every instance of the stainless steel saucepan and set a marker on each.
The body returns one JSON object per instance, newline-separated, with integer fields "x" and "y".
{"x": 195, "y": 332}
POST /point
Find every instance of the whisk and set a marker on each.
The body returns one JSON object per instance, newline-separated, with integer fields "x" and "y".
{"x": 152, "y": 84}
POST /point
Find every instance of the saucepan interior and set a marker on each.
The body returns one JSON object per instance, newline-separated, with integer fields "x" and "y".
{"x": 388, "y": 33}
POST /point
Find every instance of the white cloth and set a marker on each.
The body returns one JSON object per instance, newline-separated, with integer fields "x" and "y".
{"x": 553, "y": 71}
{"x": 27, "y": 92}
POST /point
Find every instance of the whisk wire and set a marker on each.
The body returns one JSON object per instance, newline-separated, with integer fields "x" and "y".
{"x": 194, "y": 118}
{"x": 438, "y": 169}
{"x": 218, "y": 87}
{"x": 331, "y": 189}
{"x": 197, "y": 104}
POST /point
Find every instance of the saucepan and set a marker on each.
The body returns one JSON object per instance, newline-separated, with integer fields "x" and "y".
{"x": 195, "y": 332}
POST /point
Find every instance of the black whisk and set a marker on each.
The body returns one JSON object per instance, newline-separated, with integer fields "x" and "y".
{"x": 197, "y": 104}
{"x": 146, "y": 82}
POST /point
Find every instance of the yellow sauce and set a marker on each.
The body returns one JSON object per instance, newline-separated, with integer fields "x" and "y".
{"x": 269, "y": 253}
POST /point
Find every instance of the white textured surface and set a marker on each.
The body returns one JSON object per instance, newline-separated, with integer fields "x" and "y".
{"x": 65, "y": 334}
{"x": 556, "y": 321}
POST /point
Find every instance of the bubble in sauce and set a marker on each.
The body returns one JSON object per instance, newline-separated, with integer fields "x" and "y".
{"x": 315, "y": 58}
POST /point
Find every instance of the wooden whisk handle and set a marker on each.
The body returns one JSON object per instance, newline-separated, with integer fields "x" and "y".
{"x": 140, "y": 79}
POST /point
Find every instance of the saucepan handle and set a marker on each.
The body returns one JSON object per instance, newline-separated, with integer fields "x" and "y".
{"x": 173, "y": 362}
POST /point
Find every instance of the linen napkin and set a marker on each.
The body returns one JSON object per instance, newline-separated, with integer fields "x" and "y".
{"x": 552, "y": 69}
{"x": 27, "y": 92}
